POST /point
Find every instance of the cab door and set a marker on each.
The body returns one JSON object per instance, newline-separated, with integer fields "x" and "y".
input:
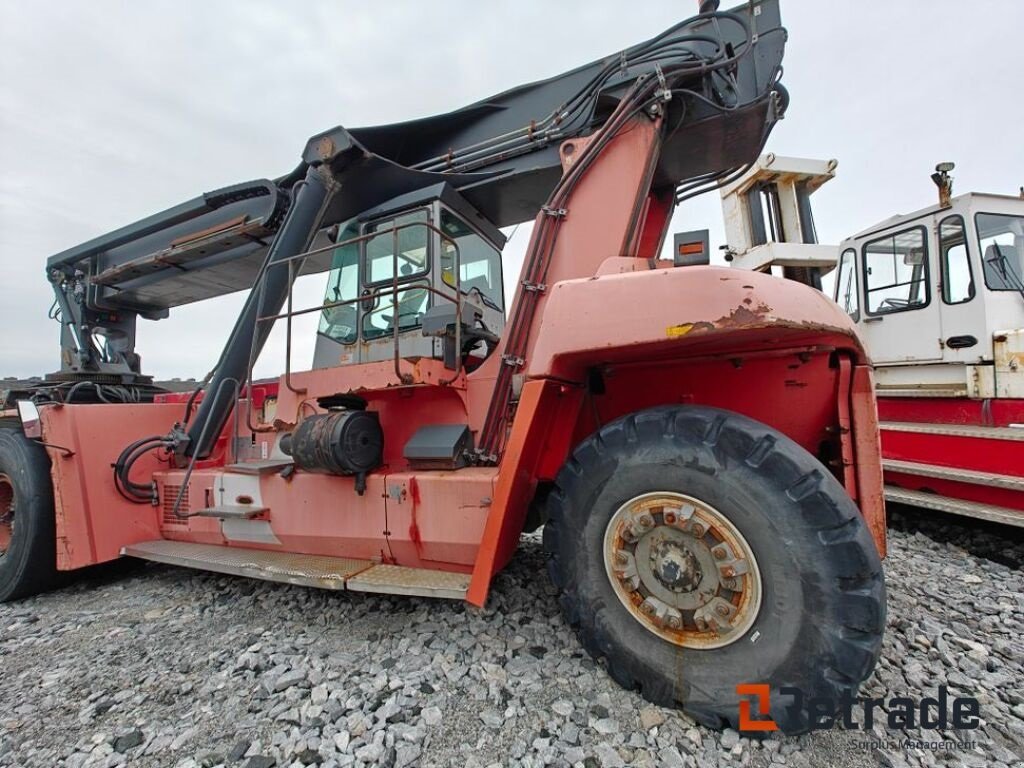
{"x": 962, "y": 310}
{"x": 900, "y": 314}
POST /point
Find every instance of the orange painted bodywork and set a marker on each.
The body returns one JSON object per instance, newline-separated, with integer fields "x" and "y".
{"x": 93, "y": 520}
{"x": 868, "y": 453}
{"x": 748, "y": 342}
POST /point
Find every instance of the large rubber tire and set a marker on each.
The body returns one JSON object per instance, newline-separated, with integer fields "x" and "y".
{"x": 30, "y": 563}
{"x": 822, "y": 614}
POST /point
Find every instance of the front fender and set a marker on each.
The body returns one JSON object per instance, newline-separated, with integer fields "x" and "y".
{"x": 681, "y": 312}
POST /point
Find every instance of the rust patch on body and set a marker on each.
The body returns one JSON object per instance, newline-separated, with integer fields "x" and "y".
{"x": 414, "y": 528}
{"x": 744, "y": 316}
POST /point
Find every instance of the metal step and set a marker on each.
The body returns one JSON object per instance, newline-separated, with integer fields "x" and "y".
{"x": 955, "y": 390}
{"x": 396, "y": 580}
{"x": 231, "y": 511}
{"x": 259, "y": 466}
{"x": 306, "y": 570}
{"x": 974, "y": 477}
{"x": 955, "y": 506}
{"x": 954, "y": 430}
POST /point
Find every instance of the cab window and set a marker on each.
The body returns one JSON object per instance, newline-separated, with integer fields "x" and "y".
{"x": 957, "y": 280}
{"x": 407, "y": 311}
{"x": 339, "y": 321}
{"x": 896, "y": 272}
{"x": 1001, "y": 239}
{"x": 846, "y": 284}
{"x": 411, "y": 258}
{"x": 479, "y": 261}
{"x": 383, "y": 307}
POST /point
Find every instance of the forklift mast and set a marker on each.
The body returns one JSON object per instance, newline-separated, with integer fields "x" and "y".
{"x": 768, "y": 218}
{"x": 711, "y": 81}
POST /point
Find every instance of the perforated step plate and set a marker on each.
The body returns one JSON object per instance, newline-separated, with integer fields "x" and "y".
{"x": 396, "y": 580}
{"x": 305, "y": 570}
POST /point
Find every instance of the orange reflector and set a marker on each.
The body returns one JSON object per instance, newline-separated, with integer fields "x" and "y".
{"x": 688, "y": 249}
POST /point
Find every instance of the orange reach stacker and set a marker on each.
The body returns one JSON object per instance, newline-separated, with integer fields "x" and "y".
{"x": 699, "y": 444}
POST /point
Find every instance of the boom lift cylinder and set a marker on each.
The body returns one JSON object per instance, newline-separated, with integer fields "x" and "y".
{"x": 309, "y": 198}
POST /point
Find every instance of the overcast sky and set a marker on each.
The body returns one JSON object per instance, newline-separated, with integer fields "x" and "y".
{"x": 110, "y": 111}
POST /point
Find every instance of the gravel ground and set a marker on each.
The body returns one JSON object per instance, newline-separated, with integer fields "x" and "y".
{"x": 167, "y": 667}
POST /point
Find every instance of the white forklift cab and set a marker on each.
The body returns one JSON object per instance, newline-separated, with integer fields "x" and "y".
{"x": 938, "y": 296}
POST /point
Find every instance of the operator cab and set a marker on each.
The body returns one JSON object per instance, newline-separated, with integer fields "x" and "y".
{"x": 422, "y": 272}
{"x": 939, "y": 298}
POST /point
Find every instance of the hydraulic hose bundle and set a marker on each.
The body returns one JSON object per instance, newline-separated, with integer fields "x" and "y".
{"x": 664, "y": 51}
{"x": 649, "y": 90}
{"x": 138, "y": 493}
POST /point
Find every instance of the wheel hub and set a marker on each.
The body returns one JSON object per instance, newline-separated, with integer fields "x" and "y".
{"x": 675, "y": 566}
{"x": 683, "y": 570}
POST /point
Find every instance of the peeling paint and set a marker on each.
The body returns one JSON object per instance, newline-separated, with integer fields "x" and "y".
{"x": 744, "y": 316}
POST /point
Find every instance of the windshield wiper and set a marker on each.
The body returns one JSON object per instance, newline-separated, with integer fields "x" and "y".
{"x": 1006, "y": 270}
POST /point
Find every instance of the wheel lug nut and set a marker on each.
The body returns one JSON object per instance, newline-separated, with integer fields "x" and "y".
{"x": 719, "y": 554}
{"x": 620, "y": 558}
{"x": 698, "y": 530}
{"x": 729, "y": 571}
{"x": 721, "y": 610}
{"x": 670, "y": 518}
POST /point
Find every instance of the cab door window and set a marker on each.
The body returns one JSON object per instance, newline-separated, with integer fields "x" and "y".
{"x": 411, "y": 257}
{"x": 407, "y": 312}
{"x": 846, "y": 284}
{"x": 896, "y": 272}
{"x": 402, "y": 243}
{"x": 957, "y": 280}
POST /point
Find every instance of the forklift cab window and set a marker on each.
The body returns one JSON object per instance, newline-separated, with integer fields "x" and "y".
{"x": 1001, "y": 239}
{"x": 340, "y": 322}
{"x": 412, "y": 241}
{"x": 896, "y": 272}
{"x": 479, "y": 261}
{"x": 383, "y": 307}
{"x": 957, "y": 281}
{"x": 846, "y": 284}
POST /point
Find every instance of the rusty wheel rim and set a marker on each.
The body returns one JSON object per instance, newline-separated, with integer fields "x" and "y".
{"x": 6, "y": 513}
{"x": 682, "y": 570}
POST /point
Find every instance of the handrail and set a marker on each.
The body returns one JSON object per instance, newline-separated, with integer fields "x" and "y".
{"x": 391, "y": 289}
